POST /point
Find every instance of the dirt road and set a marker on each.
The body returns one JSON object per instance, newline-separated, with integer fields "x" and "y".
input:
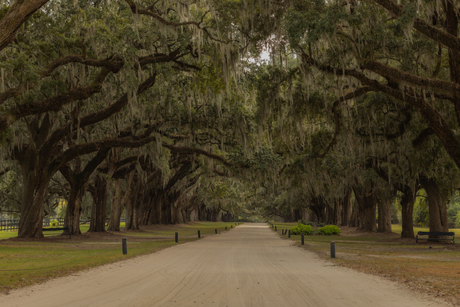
{"x": 247, "y": 266}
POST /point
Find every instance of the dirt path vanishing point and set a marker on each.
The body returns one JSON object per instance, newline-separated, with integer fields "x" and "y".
{"x": 246, "y": 266}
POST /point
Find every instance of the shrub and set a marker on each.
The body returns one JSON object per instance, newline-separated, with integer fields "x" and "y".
{"x": 329, "y": 230}
{"x": 306, "y": 229}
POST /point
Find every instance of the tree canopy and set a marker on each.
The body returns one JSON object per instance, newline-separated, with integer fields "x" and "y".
{"x": 163, "y": 112}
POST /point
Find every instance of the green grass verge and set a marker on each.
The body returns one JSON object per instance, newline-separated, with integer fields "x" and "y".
{"x": 24, "y": 263}
{"x": 395, "y": 228}
{"x": 398, "y": 229}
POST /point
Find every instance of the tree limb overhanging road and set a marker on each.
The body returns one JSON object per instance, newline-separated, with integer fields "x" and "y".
{"x": 247, "y": 266}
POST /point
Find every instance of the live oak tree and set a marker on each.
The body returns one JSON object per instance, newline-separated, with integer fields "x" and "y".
{"x": 360, "y": 101}
{"x": 399, "y": 50}
{"x": 99, "y": 60}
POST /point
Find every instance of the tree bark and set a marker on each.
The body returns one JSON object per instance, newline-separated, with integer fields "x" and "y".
{"x": 384, "y": 220}
{"x": 74, "y": 207}
{"x": 36, "y": 175}
{"x": 407, "y": 209}
{"x": 346, "y": 204}
{"x": 367, "y": 205}
{"x": 99, "y": 210}
{"x": 437, "y": 205}
{"x": 17, "y": 14}
{"x": 31, "y": 219}
{"x": 155, "y": 216}
{"x": 132, "y": 198}
{"x": 117, "y": 208}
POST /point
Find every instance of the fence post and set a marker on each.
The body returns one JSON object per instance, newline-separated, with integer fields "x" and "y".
{"x": 302, "y": 238}
{"x": 199, "y": 234}
{"x": 124, "y": 246}
{"x": 332, "y": 249}
{"x": 176, "y": 237}
{"x": 289, "y": 233}
{"x": 215, "y": 230}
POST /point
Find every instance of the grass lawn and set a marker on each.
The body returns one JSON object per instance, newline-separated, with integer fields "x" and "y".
{"x": 398, "y": 229}
{"x": 26, "y": 262}
{"x": 431, "y": 267}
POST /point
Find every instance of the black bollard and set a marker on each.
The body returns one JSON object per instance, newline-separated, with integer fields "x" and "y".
{"x": 276, "y": 228}
{"x": 176, "y": 237}
{"x": 231, "y": 226}
{"x": 289, "y": 233}
{"x": 124, "y": 246}
{"x": 199, "y": 234}
{"x": 225, "y": 227}
{"x": 215, "y": 230}
{"x": 302, "y": 239}
{"x": 332, "y": 249}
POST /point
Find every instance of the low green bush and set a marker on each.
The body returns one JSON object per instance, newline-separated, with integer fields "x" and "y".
{"x": 306, "y": 229}
{"x": 329, "y": 230}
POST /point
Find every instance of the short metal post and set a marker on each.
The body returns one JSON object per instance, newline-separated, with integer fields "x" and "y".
{"x": 332, "y": 249}
{"x": 302, "y": 238}
{"x": 225, "y": 227}
{"x": 215, "y": 230}
{"x": 124, "y": 246}
{"x": 199, "y": 234}
{"x": 276, "y": 228}
{"x": 231, "y": 226}
{"x": 289, "y": 233}
{"x": 176, "y": 237}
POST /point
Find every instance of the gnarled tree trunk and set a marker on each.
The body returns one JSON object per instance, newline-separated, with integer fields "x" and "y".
{"x": 99, "y": 193}
{"x": 74, "y": 207}
{"x": 437, "y": 206}
{"x": 346, "y": 205}
{"x": 384, "y": 220}
{"x": 35, "y": 186}
{"x": 407, "y": 210}
{"x": 117, "y": 208}
{"x": 367, "y": 205}
{"x": 132, "y": 201}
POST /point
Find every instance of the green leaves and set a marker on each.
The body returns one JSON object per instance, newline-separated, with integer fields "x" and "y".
{"x": 305, "y": 229}
{"x": 329, "y": 230}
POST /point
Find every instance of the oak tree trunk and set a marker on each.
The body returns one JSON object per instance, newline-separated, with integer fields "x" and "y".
{"x": 155, "y": 216}
{"x": 31, "y": 219}
{"x": 74, "y": 207}
{"x": 117, "y": 208}
{"x": 346, "y": 204}
{"x": 99, "y": 208}
{"x": 437, "y": 205}
{"x": 407, "y": 209}
{"x": 367, "y": 205}
{"x": 384, "y": 220}
{"x": 353, "y": 222}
